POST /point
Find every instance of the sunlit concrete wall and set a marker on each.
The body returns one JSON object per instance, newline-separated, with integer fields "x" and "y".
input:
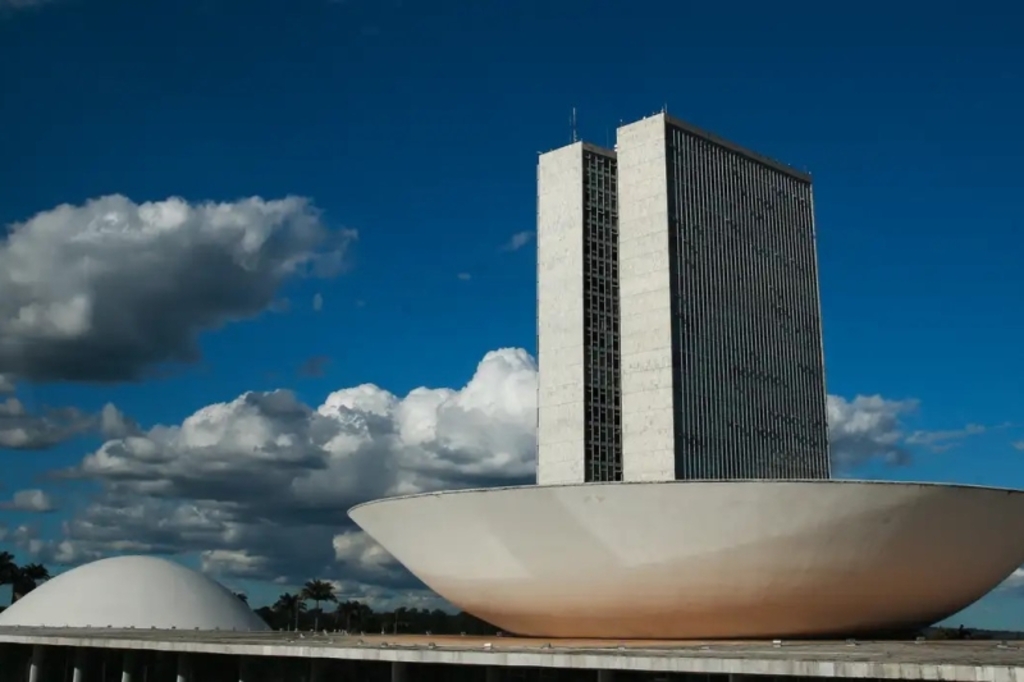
{"x": 648, "y": 434}
{"x": 560, "y": 398}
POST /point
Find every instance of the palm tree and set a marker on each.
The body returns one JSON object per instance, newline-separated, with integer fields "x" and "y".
{"x": 8, "y": 571}
{"x": 36, "y": 572}
{"x": 401, "y": 614}
{"x": 348, "y": 610}
{"x": 318, "y": 591}
{"x": 291, "y": 605}
{"x": 28, "y": 578}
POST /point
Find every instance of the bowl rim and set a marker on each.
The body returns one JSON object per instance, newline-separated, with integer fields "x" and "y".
{"x": 683, "y": 482}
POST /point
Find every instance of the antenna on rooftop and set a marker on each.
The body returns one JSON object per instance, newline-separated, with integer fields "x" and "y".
{"x": 664, "y": 108}
{"x": 572, "y": 124}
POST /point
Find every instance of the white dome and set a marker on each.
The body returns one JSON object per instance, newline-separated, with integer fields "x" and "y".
{"x": 701, "y": 560}
{"x": 132, "y": 592}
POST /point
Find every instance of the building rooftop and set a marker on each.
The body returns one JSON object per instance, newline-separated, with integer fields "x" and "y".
{"x": 973, "y": 661}
{"x": 132, "y": 592}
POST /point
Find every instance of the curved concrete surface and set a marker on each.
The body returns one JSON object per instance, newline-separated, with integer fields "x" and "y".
{"x": 132, "y": 592}
{"x": 706, "y": 559}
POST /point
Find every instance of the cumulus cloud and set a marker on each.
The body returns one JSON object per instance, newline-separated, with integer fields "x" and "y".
{"x": 21, "y": 429}
{"x": 318, "y": 302}
{"x": 23, "y": 537}
{"x": 6, "y": 384}
{"x": 518, "y": 241}
{"x": 29, "y": 501}
{"x": 1018, "y": 445}
{"x": 867, "y": 427}
{"x": 1015, "y": 582}
{"x": 113, "y": 423}
{"x": 260, "y": 486}
{"x": 464, "y": 276}
{"x": 105, "y": 290}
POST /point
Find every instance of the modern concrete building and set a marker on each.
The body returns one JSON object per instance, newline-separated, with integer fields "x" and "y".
{"x": 706, "y": 559}
{"x": 679, "y": 326}
{"x": 132, "y": 592}
{"x": 681, "y": 362}
{"x": 579, "y": 392}
{"x": 722, "y": 363}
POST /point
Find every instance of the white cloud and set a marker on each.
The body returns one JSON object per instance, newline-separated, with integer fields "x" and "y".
{"x": 1018, "y": 445}
{"x": 20, "y": 536}
{"x": 940, "y": 441}
{"x": 29, "y": 501}
{"x": 464, "y": 276}
{"x": 357, "y": 547}
{"x": 867, "y": 427}
{"x": 21, "y": 429}
{"x": 24, "y": 430}
{"x": 6, "y": 384}
{"x": 1015, "y": 582}
{"x": 235, "y": 563}
{"x": 318, "y": 302}
{"x": 518, "y": 240}
{"x": 258, "y": 487}
{"x": 105, "y": 290}
{"x": 261, "y": 485}
{"x": 113, "y": 423}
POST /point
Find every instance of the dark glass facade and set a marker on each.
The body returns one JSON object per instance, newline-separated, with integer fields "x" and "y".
{"x": 603, "y": 386}
{"x": 748, "y": 368}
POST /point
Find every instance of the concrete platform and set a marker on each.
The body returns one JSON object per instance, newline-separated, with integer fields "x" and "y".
{"x": 989, "y": 661}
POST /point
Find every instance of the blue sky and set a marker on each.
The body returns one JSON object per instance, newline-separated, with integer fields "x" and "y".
{"x": 417, "y": 125}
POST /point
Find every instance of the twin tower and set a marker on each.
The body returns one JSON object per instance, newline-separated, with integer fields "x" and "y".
{"x": 679, "y": 319}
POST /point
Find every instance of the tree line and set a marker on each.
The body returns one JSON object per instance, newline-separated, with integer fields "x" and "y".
{"x": 22, "y": 578}
{"x": 292, "y": 611}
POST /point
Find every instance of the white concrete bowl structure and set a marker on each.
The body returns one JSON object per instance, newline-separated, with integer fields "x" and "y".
{"x": 706, "y": 559}
{"x": 132, "y": 592}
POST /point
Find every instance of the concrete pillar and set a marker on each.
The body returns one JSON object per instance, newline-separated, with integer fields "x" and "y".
{"x": 78, "y": 672}
{"x": 184, "y": 668}
{"x": 10, "y": 668}
{"x": 128, "y": 661}
{"x": 605, "y": 676}
{"x": 399, "y": 671}
{"x": 35, "y": 668}
{"x": 9, "y": 672}
{"x": 246, "y": 669}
